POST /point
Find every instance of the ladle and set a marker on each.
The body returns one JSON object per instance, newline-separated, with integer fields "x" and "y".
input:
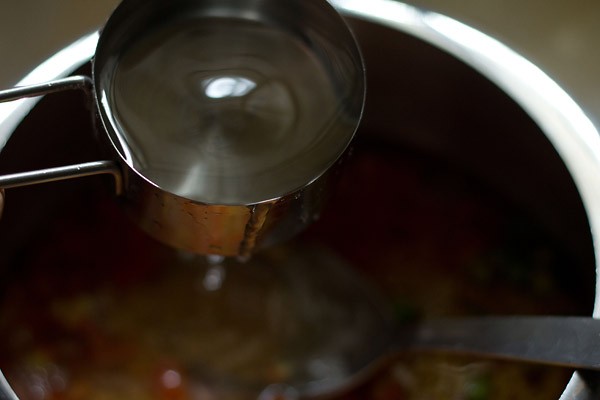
{"x": 563, "y": 341}
{"x": 559, "y": 341}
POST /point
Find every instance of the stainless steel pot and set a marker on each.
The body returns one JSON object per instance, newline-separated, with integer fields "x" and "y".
{"x": 564, "y": 115}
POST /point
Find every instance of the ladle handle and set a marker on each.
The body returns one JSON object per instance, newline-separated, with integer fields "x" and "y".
{"x": 60, "y": 173}
{"x": 572, "y": 342}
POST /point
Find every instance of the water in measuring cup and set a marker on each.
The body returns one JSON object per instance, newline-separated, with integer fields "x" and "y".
{"x": 225, "y": 111}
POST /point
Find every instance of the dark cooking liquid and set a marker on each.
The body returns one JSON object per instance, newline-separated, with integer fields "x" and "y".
{"x": 225, "y": 111}
{"x": 82, "y": 320}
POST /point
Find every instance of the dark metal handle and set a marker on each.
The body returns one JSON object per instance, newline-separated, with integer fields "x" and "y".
{"x": 60, "y": 173}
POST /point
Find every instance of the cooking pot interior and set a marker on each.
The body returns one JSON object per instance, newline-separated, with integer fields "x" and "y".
{"x": 431, "y": 125}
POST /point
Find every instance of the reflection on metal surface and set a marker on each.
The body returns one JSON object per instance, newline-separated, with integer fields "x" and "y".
{"x": 6, "y": 392}
{"x": 227, "y": 86}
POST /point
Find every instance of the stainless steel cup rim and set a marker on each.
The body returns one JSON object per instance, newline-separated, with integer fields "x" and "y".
{"x": 132, "y": 19}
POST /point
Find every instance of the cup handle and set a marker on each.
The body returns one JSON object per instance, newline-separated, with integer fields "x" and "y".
{"x": 64, "y": 173}
{"x": 82, "y": 82}
{"x": 69, "y": 83}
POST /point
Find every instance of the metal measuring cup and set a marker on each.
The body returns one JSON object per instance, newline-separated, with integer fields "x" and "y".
{"x": 218, "y": 224}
